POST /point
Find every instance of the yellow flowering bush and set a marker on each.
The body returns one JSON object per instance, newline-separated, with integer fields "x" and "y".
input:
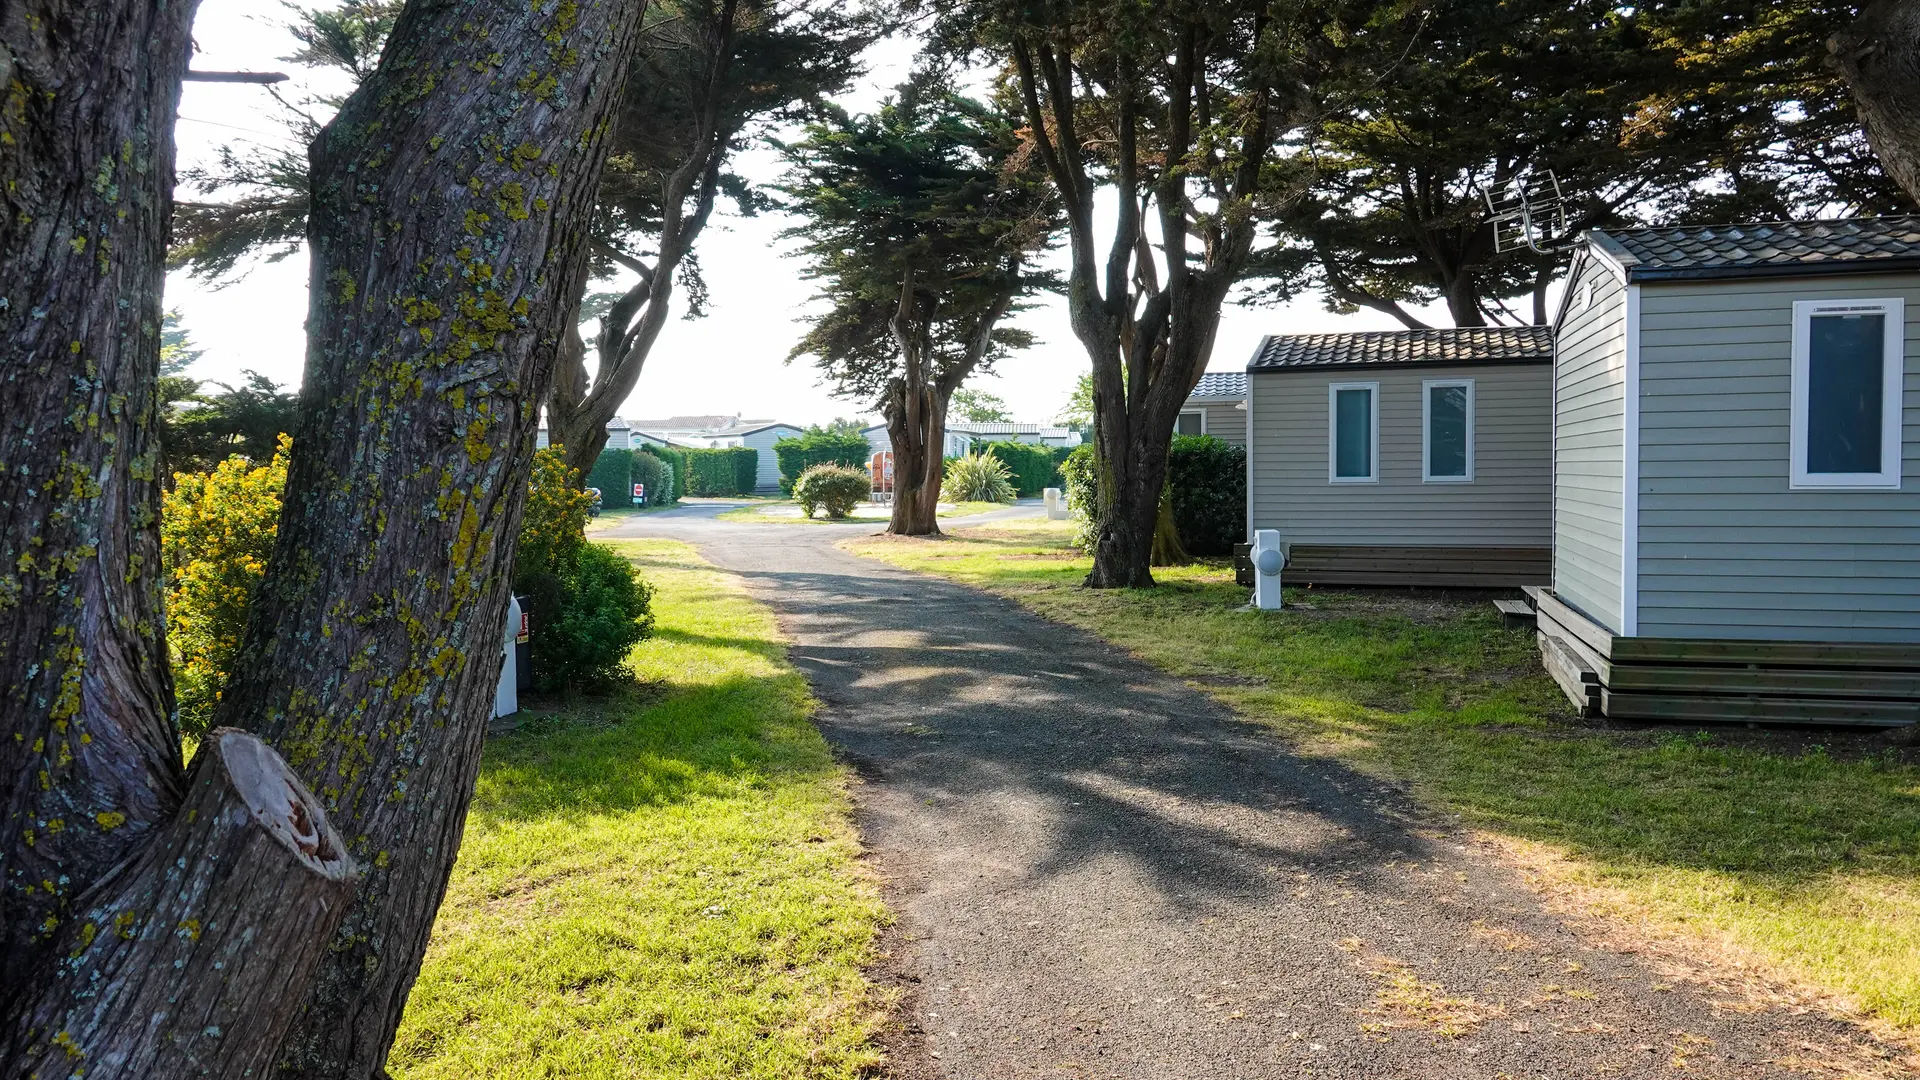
{"x": 216, "y": 531}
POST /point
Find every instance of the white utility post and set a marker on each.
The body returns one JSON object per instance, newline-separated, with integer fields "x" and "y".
{"x": 1268, "y": 560}
{"x": 506, "y": 699}
{"x": 1056, "y": 504}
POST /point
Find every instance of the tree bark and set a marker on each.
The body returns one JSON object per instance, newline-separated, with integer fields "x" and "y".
{"x": 1879, "y": 57}
{"x": 452, "y": 196}
{"x": 191, "y": 959}
{"x": 89, "y": 757}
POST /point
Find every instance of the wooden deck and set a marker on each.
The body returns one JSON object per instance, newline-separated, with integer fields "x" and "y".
{"x": 1691, "y": 680}
{"x": 1463, "y": 567}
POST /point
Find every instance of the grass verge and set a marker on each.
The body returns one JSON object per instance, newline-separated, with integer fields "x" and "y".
{"x": 661, "y": 886}
{"x": 759, "y": 514}
{"x": 1798, "y": 851}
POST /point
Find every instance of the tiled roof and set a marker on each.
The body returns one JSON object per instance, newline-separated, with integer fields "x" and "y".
{"x": 1463, "y": 345}
{"x": 1767, "y": 249}
{"x": 999, "y": 427}
{"x": 1221, "y": 384}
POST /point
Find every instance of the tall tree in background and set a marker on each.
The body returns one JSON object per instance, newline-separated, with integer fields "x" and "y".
{"x": 1878, "y": 54}
{"x": 1174, "y": 108}
{"x": 710, "y": 73}
{"x": 161, "y": 924}
{"x": 920, "y": 223}
{"x": 1659, "y": 112}
{"x": 980, "y": 407}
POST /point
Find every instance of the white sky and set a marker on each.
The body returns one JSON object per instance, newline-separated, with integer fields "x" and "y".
{"x": 732, "y": 361}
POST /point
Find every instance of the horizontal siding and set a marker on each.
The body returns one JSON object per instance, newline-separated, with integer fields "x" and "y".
{"x": 1727, "y": 548}
{"x": 767, "y": 475}
{"x": 1589, "y": 440}
{"x": 1509, "y": 503}
{"x": 1227, "y": 423}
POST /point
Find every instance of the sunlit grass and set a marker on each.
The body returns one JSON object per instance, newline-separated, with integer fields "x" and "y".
{"x": 868, "y": 512}
{"x": 1799, "y": 849}
{"x": 658, "y": 887}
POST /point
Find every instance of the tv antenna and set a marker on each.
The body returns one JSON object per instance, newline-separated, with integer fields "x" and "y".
{"x": 1532, "y": 214}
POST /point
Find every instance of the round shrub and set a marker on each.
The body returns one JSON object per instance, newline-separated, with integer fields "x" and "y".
{"x": 586, "y": 618}
{"x": 837, "y": 488}
{"x": 589, "y": 607}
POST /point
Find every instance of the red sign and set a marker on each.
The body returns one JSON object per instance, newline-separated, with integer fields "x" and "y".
{"x": 639, "y": 493}
{"x": 522, "y": 635}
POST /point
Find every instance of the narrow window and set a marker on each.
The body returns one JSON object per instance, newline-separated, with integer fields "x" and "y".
{"x": 1848, "y": 367}
{"x": 1353, "y": 422}
{"x": 1447, "y": 431}
{"x": 1193, "y": 422}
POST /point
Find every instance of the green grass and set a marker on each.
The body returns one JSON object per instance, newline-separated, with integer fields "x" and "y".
{"x": 758, "y": 514}
{"x": 1798, "y": 851}
{"x": 660, "y": 886}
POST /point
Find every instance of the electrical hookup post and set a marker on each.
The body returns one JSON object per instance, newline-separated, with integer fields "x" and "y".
{"x": 1268, "y": 558}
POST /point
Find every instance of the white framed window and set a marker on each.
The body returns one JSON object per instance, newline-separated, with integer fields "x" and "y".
{"x": 1446, "y": 431}
{"x": 1191, "y": 422}
{"x": 1849, "y": 374}
{"x": 1353, "y": 433}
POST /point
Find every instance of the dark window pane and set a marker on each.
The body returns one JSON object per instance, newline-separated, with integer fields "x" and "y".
{"x": 1189, "y": 424}
{"x": 1844, "y": 358}
{"x": 1353, "y": 441}
{"x": 1447, "y": 430}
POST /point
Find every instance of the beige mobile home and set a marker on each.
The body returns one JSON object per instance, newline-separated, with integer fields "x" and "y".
{"x": 1736, "y": 442}
{"x": 1412, "y": 457}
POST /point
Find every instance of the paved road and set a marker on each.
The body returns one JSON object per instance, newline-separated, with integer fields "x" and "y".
{"x": 1099, "y": 872}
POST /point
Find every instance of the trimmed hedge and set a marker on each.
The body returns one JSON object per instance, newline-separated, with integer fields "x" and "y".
{"x": 658, "y": 477}
{"x": 730, "y": 470}
{"x": 798, "y": 454}
{"x": 1031, "y": 467}
{"x": 612, "y": 474}
{"x": 1208, "y": 478}
{"x": 675, "y": 462}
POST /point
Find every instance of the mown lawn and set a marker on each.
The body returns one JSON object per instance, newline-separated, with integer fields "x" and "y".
{"x": 1798, "y": 852}
{"x": 662, "y": 885}
{"x": 758, "y": 513}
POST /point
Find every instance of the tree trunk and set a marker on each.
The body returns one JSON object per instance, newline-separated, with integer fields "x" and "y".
{"x": 1879, "y": 57}
{"x": 89, "y": 757}
{"x": 915, "y": 507}
{"x": 448, "y": 237}
{"x": 1168, "y": 549}
{"x": 192, "y": 958}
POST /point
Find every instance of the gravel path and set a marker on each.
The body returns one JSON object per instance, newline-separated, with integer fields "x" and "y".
{"x": 1099, "y": 872}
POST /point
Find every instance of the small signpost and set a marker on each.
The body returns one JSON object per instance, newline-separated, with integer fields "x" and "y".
{"x": 640, "y": 494}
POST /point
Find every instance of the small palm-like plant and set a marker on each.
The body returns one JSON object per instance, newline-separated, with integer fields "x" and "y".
{"x": 977, "y": 478}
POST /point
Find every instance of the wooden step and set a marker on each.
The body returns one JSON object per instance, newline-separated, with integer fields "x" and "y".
{"x": 1515, "y": 614}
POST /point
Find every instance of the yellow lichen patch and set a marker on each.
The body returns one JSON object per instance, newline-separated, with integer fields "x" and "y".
{"x": 476, "y": 223}
{"x": 190, "y": 928}
{"x": 110, "y": 819}
{"x": 345, "y": 287}
{"x": 512, "y": 201}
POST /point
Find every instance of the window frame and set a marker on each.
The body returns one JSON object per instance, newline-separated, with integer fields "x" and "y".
{"x": 1333, "y": 433}
{"x": 1201, "y": 413}
{"x": 1893, "y": 378}
{"x": 1426, "y": 431}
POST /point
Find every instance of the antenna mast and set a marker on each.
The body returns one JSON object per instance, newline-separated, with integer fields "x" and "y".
{"x": 1532, "y": 215}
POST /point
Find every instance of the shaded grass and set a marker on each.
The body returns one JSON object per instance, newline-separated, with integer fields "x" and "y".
{"x": 1799, "y": 849}
{"x": 662, "y": 886}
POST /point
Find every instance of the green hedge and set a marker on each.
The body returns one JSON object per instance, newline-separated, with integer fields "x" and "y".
{"x": 612, "y": 474}
{"x": 657, "y": 475}
{"x": 798, "y": 454}
{"x": 675, "y": 462}
{"x": 732, "y": 470}
{"x": 1208, "y": 477}
{"x": 1030, "y": 467}
{"x": 1208, "y": 481}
